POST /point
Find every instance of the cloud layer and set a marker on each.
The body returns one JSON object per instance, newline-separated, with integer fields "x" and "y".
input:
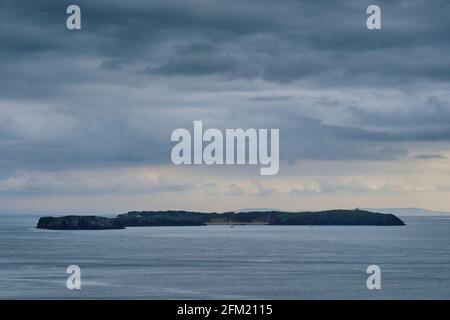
{"x": 109, "y": 96}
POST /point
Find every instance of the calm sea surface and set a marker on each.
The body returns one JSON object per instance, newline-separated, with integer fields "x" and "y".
{"x": 219, "y": 262}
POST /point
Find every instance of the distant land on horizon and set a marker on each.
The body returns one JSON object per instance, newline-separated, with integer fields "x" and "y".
{"x": 408, "y": 211}
{"x": 192, "y": 218}
{"x": 106, "y": 213}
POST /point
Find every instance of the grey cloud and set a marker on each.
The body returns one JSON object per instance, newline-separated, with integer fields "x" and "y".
{"x": 423, "y": 120}
{"x": 352, "y": 133}
{"x": 272, "y": 98}
{"x": 281, "y": 42}
{"x": 250, "y": 189}
{"x": 339, "y": 186}
{"x": 86, "y": 182}
{"x": 425, "y": 156}
{"x": 432, "y": 111}
{"x": 112, "y": 92}
{"x": 195, "y": 59}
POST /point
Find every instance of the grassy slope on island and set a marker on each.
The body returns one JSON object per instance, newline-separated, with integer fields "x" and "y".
{"x": 329, "y": 217}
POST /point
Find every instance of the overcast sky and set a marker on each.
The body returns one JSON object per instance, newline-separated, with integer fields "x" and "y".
{"x": 86, "y": 116}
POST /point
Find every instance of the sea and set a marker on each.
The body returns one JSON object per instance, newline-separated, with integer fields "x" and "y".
{"x": 223, "y": 262}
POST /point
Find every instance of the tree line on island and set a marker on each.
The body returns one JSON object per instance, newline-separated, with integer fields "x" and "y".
{"x": 192, "y": 218}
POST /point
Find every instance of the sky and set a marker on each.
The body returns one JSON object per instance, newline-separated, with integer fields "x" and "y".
{"x": 86, "y": 115}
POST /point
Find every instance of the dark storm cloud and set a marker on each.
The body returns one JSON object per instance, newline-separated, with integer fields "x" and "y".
{"x": 279, "y": 41}
{"x": 432, "y": 111}
{"x": 196, "y": 59}
{"x": 309, "y": 138}
{"x": 112, "y": 92}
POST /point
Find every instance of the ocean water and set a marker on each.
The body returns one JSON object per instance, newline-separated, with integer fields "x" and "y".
{"x": 219, "y": 262}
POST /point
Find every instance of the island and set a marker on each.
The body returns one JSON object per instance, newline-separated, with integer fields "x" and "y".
{"x": 192, "y": 218}
{"x": 79, "y": 223}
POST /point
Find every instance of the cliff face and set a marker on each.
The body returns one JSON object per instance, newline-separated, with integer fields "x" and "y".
{"x": 79, "y": 223}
